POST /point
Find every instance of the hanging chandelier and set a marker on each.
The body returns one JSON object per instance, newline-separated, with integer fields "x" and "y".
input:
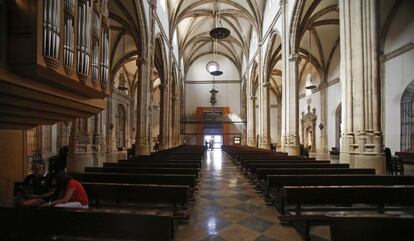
{"x": 219, "y": 32}
{"x": 122, "y": 83}
{"x": 213, "y": 67}
{"x": 309, "y": 83}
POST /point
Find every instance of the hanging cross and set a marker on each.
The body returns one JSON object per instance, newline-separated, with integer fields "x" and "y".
{"x": 213, "y": 100}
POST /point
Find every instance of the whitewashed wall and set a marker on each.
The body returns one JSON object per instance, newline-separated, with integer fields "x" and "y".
{"x": 199, "y": 85}
{"x": 397, "y": 73}
{"x": 198, "y": 95}
{"x": 333, "y": 96}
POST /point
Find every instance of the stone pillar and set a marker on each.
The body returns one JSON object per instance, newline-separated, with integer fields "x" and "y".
{"x": 142, "y": 145}
{"x": 143, "y": 138}
{"x": 251, "y": 134}
{"x": 165, "y": 105}
{"x": 291, "y": 106}
{"x": 323, "y": 145}
{"x": 264, "y": 117}
{"x": 176, "y": 120}
{"x": 361, "y": 144}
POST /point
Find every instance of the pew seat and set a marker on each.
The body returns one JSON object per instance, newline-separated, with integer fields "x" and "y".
{"x": 304, "y": 206}
{"x": 372, "y": 227}
{"x": 34, "y": 223}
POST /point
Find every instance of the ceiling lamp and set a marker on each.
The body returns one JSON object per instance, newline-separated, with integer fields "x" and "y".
{"x": 219, "y": 32}
{"x": 216, "y": 73}
{"x": 121, "y": 80}
{"x": 309, "y": 83}
{"x": 212, "y": 66}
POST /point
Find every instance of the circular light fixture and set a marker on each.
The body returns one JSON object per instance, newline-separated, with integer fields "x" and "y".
{"x": 212, "y": 66}
{"x": 219, "y": 33}
{"x": 216, "y": 73}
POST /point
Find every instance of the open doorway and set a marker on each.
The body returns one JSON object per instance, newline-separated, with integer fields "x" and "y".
{"x": 215, "y": 140}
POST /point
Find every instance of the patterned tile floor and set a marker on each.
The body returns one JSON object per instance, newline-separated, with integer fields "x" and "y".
{"x": 227, "y": 208}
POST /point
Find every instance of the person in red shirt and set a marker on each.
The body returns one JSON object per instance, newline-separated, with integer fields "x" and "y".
{"x": 73, "y": 194}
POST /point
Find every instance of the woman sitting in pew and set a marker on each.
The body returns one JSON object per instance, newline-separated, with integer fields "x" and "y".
{"x": 71, "y": 192}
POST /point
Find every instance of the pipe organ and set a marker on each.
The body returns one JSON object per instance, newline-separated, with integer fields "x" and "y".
{"x": 57, "y": 48}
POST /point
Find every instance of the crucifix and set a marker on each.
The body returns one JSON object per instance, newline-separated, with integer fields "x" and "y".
{"x": 213, "y": 100}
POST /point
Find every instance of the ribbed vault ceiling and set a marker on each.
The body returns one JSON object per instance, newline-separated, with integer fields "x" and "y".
{"x": 194, "y": 19}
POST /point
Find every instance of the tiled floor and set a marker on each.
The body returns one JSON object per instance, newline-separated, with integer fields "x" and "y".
{"x": 228, "y": 208}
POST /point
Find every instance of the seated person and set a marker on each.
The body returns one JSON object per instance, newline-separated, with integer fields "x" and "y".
{"x": 37, "y": 188}
{"x": 71, "y": 192}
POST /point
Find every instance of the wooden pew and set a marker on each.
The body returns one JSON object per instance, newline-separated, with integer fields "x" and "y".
{"x": 137, "y": 193}
{"x": 252, "y": 167}
{"x": 45, "y": 223}
{"x": 245, "y": 158}
{"x": 249, "y": 162}
{"x": 263, "y": 172}
{"x": 316, "y": 199}
{"x": 371, "y": 227}
{"x": 117, "y": 195}
{"x": 190, "y": 171}
{"x": 171, "y": 179}
{"x": 152, "y": 164}
{"x": 274, "y": 183}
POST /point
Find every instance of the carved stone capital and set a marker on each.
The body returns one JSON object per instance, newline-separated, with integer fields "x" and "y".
{"x": 253, "y": 97}
{"x": 294, "y": 57}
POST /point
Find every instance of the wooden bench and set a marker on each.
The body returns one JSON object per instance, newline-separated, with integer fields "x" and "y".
{"x": 263, "y": 172}
{"x": 161, "y": 179}
{"x": 247, "y": 163}
{"x": 242, "y": 159}
{"x": 152, "y": 194}
{"x": 311, "y": 203}
{"x": 46, "y": 223}
{"x": 371, "y": 227}
{"x": 171, "y": 179}
{"x": 152, "y": 164}
{"x": 190, "y": 171}
{"x": 252, "y": 167}
{"x": 274, "y": 183}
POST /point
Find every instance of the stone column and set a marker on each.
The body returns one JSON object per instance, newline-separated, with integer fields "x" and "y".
{"x": 285, "y": 40}
{"x": 251, "y": 134}
{"x": 291, "y": 105}
{"x": 165, "y": 105}
{"x": 361, "y": 144}
{"x": 264, "y": 117}
{"x": 142, "y": 146}
{"x": 175, "y": 98}
{"x": 323, "y": 145}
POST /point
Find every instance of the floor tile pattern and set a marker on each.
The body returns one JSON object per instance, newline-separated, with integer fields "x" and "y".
{"x": 228, "y": 208}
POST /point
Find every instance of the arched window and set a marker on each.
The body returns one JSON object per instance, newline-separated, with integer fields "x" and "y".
{"x": 407, "y": 119}
{"x": 120, "y": 121}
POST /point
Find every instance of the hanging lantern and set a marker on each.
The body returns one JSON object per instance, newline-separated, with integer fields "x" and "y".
{"x": 122, "y": 82}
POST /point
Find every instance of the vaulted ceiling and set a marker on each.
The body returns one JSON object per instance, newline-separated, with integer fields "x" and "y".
{"x": 194, "y": 19}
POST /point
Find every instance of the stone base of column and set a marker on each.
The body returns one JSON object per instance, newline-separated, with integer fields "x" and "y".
{"x": 364, "y": 160}
{"x": 292, "y": 150}
{"x": 78, "y": 161}
{"x": 142, "y": 150}
{"x": 264, "y": 143}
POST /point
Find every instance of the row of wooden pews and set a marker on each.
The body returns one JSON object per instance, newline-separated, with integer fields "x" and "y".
{"x": 310, "y": 192}
{"x": 137, "y": 199}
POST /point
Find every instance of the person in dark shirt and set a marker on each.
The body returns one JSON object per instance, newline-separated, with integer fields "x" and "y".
{"x": 37, "y": 188}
